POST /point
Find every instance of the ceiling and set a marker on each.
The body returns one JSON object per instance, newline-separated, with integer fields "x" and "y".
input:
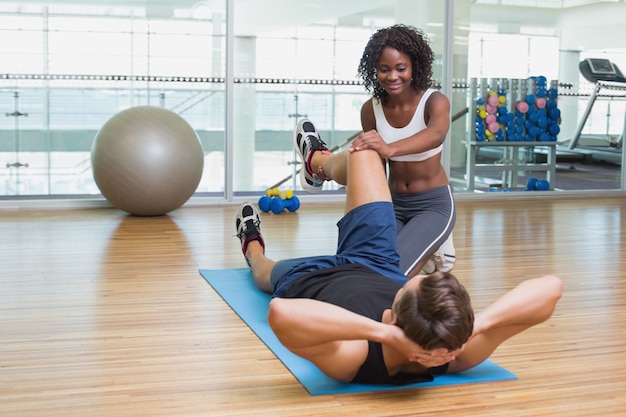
{"x": 256, "y": 16}
{"x": 307, "y": 4}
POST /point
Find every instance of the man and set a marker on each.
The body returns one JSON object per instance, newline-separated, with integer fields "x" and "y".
{"x": 357, "y": 317}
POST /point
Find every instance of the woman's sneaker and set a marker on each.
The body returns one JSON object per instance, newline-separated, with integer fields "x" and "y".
{"x": 248, "y": 226}
{"x": 443, "y": 259}
{"x": 307, "y": 140}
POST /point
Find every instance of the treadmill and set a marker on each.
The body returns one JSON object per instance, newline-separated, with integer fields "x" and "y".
{"x": 604, "y": 74}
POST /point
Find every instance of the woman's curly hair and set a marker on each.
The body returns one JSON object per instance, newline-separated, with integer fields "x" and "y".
{"x": 407, "y": 39}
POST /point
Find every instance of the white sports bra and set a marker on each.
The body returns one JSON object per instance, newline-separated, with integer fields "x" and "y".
{"x": 392, "y": 134}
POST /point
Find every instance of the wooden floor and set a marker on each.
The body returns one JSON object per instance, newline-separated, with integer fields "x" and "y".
{"x": 103, "y": 314}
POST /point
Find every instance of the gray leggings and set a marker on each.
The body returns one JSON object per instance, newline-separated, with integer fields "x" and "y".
{"x": 424, "y": 222}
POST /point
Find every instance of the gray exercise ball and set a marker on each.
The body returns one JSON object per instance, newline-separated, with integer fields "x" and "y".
{"x": 147, "y": 160}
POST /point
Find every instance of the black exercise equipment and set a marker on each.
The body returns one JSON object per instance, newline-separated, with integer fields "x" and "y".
{"x": 605, "y": 75}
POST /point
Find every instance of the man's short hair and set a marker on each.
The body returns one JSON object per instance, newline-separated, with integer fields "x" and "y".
{"x": 438, "y": 314}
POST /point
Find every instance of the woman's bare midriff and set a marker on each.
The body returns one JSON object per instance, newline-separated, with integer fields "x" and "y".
{"x": 414, "y": 177}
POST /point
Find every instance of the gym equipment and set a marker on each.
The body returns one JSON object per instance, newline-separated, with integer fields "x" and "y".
{"x": 605, "y": 75}
{"x": 147, "y": 160}
{"x": 278, "y": 201}
{"x": 526, "y": 122}
{"x": 264, "y": 203}
{"x": 526, "y": 119}
{"x": 536, "y": 184}
{"x": 542, "y": 185}
{"x": 275, "y": 192}
{"x": 278, "y": 205}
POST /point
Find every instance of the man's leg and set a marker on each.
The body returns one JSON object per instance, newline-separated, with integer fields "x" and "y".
{"x": 248, "y": 226}
{"x": 318, "y": 164}
{"x": 307, "y": 141}
{"x": 530, "y": 303}
{"x": 366, "y": 180}
{"x": 331, "y": 166}
{"x": 363, "y": 174}
{"x": 260, "y": 265}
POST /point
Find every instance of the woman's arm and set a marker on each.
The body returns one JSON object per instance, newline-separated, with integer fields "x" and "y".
{"x": 438, "y": 123}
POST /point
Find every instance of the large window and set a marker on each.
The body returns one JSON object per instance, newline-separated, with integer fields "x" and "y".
{"x": 495, "y": 55}
{"x": 66, "y": 69}
{"x": 509, "y": 45}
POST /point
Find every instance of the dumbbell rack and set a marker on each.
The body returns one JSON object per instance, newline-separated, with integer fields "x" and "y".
{"x": 512, "y": 161}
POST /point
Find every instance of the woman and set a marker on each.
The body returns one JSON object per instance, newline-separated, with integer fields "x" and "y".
{"x": 406, "y": 122}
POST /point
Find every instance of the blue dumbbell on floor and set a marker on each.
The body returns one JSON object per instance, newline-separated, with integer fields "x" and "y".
{"x": 278, "y": 205}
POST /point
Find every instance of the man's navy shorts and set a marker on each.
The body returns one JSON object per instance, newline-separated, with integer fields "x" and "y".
{"x": 367, "y": 236}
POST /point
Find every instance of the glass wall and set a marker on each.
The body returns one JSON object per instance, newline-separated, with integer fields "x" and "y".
{"x": 304, "y": 71}
{"x": 512, "y": 47}
{"x": 65, "y": 70}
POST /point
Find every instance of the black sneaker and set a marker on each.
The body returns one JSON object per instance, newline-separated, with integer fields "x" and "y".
{"x": 248, "y": 226}
{"x": 307, "y": 140}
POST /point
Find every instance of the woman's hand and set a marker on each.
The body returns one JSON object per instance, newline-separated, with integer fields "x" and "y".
{"x": 371, "y": 140}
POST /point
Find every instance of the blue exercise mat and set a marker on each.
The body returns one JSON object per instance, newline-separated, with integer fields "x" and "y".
{"x": 237, "y": 288}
